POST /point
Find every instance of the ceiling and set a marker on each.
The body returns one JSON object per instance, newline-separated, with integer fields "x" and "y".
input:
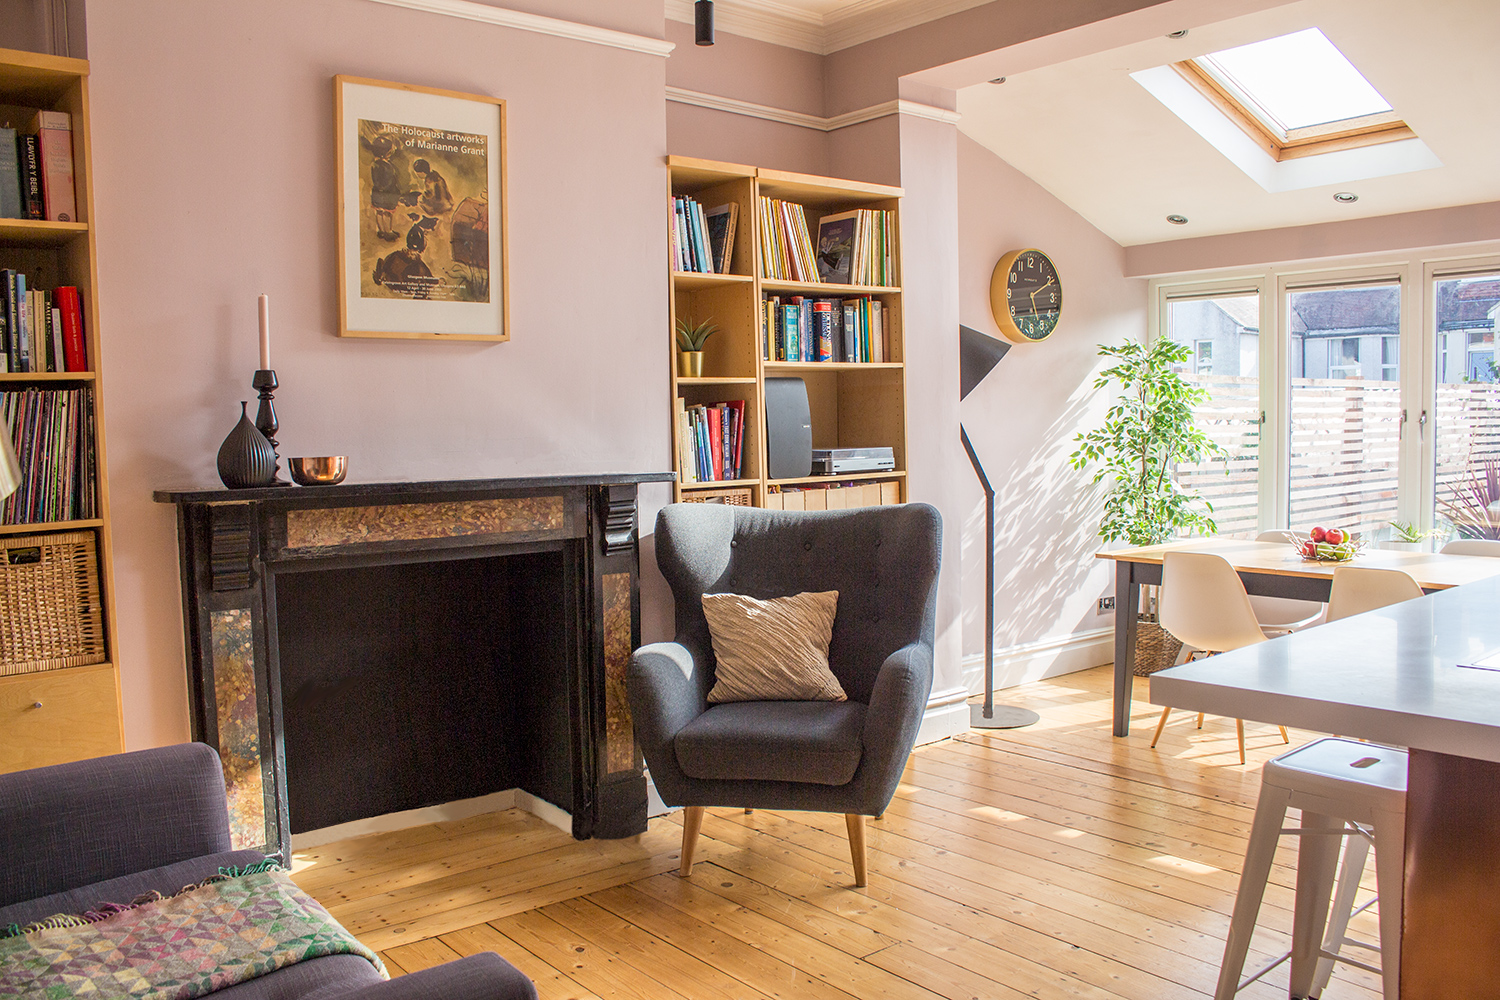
{"x": 1101, "y": 143}
{"x": 820, "y": 26}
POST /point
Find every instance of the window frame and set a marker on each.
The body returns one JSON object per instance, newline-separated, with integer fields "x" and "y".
{"x": 1416, "y": 275}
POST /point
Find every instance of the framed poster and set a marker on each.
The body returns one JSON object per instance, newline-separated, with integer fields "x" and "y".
{"x": 421, "y": 212}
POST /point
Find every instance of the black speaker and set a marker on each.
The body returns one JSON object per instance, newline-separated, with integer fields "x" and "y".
{"x": 788, "y": 429}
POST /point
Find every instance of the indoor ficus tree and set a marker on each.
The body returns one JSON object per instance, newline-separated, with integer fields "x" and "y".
{"x": 1145, "y": 433}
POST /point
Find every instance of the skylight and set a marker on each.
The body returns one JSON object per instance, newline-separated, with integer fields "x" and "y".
{"x": 1295, "y": 81}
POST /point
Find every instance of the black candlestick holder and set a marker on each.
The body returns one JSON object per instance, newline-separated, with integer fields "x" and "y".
{"x": 265, "y": 383}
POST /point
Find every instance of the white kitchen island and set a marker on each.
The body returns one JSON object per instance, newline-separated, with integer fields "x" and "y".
{"x": 1394, "y": 676}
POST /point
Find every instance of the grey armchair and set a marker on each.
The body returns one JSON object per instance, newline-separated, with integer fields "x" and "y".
{"x": 841, "y": 757}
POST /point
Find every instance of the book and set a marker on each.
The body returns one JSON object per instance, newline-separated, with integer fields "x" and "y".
{"x": 836, "y": 247}
{"x": 55, "y": 359}
{"x": 721, "y": 223}
{"x": 54, "y": 132}
{"x": 56, "y": 462}
{"x": 74, "y": 355}
{"x": 11, "y": 206}
{"x": 23, "y": 323}
{"x": 29, "y": 171}
{"x": 822, "y": 310}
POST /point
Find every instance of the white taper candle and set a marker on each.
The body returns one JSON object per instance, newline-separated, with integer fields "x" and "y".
{"x": 265, "y": 332}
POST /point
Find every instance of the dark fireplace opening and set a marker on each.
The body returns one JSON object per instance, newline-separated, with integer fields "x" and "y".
{"x": 416, "y": 684}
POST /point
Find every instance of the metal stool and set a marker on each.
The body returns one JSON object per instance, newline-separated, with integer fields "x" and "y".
{"x": 1345, "y": 789}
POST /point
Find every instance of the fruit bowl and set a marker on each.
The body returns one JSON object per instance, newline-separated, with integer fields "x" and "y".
{"x": 1315, "y": 546}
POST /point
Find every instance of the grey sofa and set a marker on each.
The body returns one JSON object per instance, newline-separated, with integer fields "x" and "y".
{"x": 840, "y": 757}
{"x": 109, "y": 829}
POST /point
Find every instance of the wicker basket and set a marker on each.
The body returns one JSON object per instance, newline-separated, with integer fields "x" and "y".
{"x": 738, "y": 496}
{"x": 50, "y": 613}
{"x": 1155, "y": 647}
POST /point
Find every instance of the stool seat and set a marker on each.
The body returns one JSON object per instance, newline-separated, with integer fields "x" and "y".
{"x": 1345, "y": 790}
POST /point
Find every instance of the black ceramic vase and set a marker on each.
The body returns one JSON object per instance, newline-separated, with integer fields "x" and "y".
{"x": 246, "y": 458}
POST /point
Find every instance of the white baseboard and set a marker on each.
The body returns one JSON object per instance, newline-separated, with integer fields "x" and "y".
{"x": 512, "y": 798}
{"x": 947, "y": 715}
{"x": 1051, "y": 657}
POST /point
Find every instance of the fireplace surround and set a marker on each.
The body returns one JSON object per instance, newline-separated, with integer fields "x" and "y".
{"x": 360, "y": 649}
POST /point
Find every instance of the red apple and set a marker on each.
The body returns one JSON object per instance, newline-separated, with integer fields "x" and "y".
{"x": 1310, "y": 549}
{"x": 1334, "y": 536}
{"x": 1318, "y": 534}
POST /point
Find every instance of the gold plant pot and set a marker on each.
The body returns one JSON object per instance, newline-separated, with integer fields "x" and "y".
{"x": 689, "y": 364}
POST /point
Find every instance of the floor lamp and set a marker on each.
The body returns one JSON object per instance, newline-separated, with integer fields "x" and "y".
{"x": 978, "y": 353}
{"x": 10, "y": 470}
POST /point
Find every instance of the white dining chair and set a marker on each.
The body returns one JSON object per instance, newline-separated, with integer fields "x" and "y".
{"x": 1204, "y": 604}
{"x": 1357, "y": 589}
{"x": 1279, "y": 615}
{"x": 1472, "y": 547}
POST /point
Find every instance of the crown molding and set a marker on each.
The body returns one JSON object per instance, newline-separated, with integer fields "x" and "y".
{"x": 793, "y": 27}
{"x": 469, "y": 10}
{"x": 735, "y": 106}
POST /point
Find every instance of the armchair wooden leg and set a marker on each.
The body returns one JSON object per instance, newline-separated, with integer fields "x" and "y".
{"x": 856, "y": 824}
{"x": 692, "y": 822}
{"x": 1285, "y": 737}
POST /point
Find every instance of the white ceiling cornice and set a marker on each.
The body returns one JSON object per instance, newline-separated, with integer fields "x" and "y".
{"x": 738, "y": 107}
{"x": 468, "y": 10}
{"x": 799, "y": 27}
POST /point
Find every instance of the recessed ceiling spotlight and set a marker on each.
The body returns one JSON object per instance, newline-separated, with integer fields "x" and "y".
{"x": 998, "y": 79}
{"x": 1346, "y": 197}
{"x": 1179, "y": 33}
{"x": 1177, "y": 220}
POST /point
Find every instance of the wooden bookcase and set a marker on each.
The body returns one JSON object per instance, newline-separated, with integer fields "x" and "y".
{"x": 853, "y": 404}
{"x": 69, "y": 713}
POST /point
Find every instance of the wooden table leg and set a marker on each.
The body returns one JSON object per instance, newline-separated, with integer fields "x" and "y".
{"x": 1127, "y": 608}
{"x": 1452, "y": 905}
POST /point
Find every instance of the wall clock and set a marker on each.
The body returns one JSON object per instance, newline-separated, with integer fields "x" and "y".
{"x": 1026, "y": 296}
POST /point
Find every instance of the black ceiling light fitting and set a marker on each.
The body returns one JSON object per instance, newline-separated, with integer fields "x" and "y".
{"x": 703, "y": 22}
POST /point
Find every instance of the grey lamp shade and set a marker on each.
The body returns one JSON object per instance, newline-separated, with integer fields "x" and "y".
{"x": 10, "y": 469}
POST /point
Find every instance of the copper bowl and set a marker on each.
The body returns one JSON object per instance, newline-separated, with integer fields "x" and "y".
{"x": 324, "y": 470}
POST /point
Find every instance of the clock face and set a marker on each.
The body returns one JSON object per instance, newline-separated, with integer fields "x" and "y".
{"x": 1031, "y": 298}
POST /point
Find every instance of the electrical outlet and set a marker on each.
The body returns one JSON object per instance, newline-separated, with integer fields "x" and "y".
{"x": 1106, "y": 604}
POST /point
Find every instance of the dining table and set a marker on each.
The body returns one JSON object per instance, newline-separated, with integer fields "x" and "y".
{"x": 1272, "y": 569}
{"x": 1423, "y": 674}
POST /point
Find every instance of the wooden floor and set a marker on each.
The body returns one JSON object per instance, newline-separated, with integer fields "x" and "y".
{"x": 1050, "y": 861}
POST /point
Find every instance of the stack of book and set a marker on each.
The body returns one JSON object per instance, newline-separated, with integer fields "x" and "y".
{"x": 786, "y": 250}
{"x": 51, "y": 429}
{"x": 702, "y": 242}
{"x": 712, "y": 440}
{"x": 800, "y": 328}
{"x": 36, "y": 169}
{"x": 856, "y": 248}
{"x": 40, "y": 331}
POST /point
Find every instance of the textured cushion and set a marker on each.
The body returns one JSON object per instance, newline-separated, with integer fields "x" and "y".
{"x": 774, "y": 649}
{"x": 167, "y": 880}
{"x": 811, "y": 741}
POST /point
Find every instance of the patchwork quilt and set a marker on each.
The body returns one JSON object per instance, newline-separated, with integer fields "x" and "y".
{"x": 233, "y": 927}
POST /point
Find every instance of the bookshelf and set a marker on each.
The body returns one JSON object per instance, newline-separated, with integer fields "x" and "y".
{"x": 60, "y": 713}
{"x": 852, "y": 403}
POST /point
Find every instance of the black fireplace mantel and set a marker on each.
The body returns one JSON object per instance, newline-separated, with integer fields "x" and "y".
{"x": 236, "y": 545}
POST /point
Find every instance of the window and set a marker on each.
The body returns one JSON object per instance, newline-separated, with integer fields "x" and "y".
{"x": 1203, "y": 357}
{"x": 1295, "y": 95}
{"x": 1344, "y": 430}
{"x": 1390, "y": 358}
{"x": 1223, "y": 331}
{"x": 1466, "y": 405}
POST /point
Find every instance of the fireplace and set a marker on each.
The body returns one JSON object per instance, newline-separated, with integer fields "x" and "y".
{"x": 363, "y": 649}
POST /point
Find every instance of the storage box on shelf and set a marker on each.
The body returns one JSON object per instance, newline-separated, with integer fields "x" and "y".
{"x": 59, "y": 690}
{"x": 853, "y": 403}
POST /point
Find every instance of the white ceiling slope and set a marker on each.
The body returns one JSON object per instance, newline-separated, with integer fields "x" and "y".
{"x": 1100, "y": 142}
{"x": 820, "y": 26}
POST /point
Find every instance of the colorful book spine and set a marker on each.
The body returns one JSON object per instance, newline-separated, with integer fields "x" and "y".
{"x": 30, "y": 171}
{"x": 54, "y": 132}
{"x": 75, "y": 356}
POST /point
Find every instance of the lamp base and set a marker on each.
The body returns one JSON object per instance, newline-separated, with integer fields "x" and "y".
{"x": 1003, "y": 717}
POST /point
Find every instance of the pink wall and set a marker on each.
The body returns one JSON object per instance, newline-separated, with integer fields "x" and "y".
{"x": 1438, "y": 227}
{"x": 1022, "y": 418}
{"x": 214, "y": 181}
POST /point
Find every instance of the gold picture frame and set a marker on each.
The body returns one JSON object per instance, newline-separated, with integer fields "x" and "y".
{"x": 422, "y": 249}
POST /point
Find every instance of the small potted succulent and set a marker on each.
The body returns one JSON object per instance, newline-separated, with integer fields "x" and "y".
{"x": 1407, "y": 537}
{"x": 690, "y": 340}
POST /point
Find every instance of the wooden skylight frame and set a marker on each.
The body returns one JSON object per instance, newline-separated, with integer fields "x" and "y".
{"x": 1350, "y": 133}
